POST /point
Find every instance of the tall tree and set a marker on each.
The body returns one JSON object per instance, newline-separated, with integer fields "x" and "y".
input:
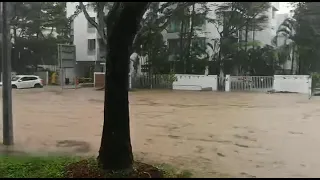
{"x": 303, "y": 32}
{"x": 287, "y": 33}
{"x": 165, "y": 12}
{"x": 37, "y": 27}
{"x": 188, "y": 22}
{"x": 123, "y": 23}
{"x": 232, "y": 17}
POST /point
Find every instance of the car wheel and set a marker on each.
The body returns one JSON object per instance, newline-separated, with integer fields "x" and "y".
{"x": 37, "y": 86}
{"x": 14, "y": 86}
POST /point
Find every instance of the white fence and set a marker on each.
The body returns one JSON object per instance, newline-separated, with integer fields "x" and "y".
{"x": 277, "y": 83}
{"x": 195, "y": 82}
{"x": 292, "y": 83}
{"x": 280, "y": 83}
{"x": 248, "y": 83}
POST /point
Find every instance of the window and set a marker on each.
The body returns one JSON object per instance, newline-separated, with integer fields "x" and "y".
{"x": 91, "y": 44}
{"x": 28, "y": 78}
{"x": 174, "y": 26}
{"x": 89, "y": 24}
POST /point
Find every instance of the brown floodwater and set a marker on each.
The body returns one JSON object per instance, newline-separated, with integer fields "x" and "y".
{"x": 213, "y": 134}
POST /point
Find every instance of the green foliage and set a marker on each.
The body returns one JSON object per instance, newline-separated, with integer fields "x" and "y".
{"x": 172, "y": 77}
{"x": 55, "y": 166}
{"x": 257, "y": 61}
{"x": 33, "y": 167}
{"x": 302, "y": 40}
{"x": 315, "y": 80}
{"x": 171, "y": 172}
{"x": 37, "y": 29}
{"x": 233, "y": 18}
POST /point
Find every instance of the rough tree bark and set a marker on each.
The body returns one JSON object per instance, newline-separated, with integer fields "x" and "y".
{"x": 188, "y": 59}
{"x": 115, "y": 151}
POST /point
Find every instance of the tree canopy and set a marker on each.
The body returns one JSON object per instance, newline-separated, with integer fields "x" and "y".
{"x": 37, "y": 29}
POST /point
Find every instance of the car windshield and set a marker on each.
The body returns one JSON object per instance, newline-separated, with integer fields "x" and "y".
{"x": 14, "y": 78}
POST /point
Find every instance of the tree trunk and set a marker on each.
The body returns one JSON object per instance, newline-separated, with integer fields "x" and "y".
{"x": 220, "y": 65}
{"x": 188, "y": 60}
{"x": 253, "y": 35}
{"x": 181, "y": 45}
{"x": 246, "y": 38}
{"x": 292, "y": 59}
{"x": 115, "y": 151}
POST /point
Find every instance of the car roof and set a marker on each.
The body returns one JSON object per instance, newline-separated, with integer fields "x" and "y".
{"x": 27, "y": 75}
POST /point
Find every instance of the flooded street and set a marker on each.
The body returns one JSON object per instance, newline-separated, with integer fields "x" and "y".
{"x": 213, "y": 134}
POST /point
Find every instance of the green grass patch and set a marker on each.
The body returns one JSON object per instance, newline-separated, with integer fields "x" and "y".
{"x": 172, "y": 172}
{"x": 55, "y": 167}
{"x": 34, "y": 167}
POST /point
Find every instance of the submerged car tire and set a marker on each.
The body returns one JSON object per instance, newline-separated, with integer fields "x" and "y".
{"x": 37, "y": 86}
{"x": 14, "y": 86}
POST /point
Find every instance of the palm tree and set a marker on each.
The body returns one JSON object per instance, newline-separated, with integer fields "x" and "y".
{"x": 288, "y": 47}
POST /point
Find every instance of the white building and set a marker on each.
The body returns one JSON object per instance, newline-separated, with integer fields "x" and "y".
{"x": 210, "y": 30}
{"x": 87, "y": 41}
{"x": 88, "y": 51}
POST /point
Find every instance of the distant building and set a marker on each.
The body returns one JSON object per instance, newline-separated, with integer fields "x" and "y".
{"x": 89, "y": 53}
{"x": 208, "y": 32}
{"x": 88, "y": 42}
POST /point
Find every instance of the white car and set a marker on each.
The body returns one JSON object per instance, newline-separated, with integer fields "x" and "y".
{"x": 26, "y": 81}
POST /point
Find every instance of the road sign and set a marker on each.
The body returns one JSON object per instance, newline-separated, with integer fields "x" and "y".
{"x": 66, "y": 55}
{"x": 67, "y": 63}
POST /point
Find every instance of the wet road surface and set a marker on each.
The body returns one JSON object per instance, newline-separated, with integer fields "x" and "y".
{"x": 213, "y": 134}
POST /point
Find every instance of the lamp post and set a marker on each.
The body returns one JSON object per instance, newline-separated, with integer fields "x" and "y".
{"x": 6, "y": 71}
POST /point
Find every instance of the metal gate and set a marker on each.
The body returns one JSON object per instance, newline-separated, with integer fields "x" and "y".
{"x": 156, "y": 81}
{"x": 251, "y": 83}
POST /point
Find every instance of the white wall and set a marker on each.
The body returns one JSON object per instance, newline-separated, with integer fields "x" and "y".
{"x": 292, "y": 83}
{"x": 195, "y": 82}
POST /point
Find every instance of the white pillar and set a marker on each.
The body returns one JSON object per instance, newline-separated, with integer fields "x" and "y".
{"x": 310, "y": 86}
{"x": 206, "y": 71}
{"x": 227, "y": 83}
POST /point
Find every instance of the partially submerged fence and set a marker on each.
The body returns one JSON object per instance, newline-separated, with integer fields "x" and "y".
{"x": 277, "y": 83}
{"x": 249, "y": 83}
{"x": 155, "y": 81}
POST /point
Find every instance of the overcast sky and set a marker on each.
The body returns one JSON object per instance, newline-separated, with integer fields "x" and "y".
{"x": 284, "y": 7}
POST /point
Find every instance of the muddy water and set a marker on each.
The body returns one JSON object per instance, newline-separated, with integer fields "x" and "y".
{"x": 213, "y": 134}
